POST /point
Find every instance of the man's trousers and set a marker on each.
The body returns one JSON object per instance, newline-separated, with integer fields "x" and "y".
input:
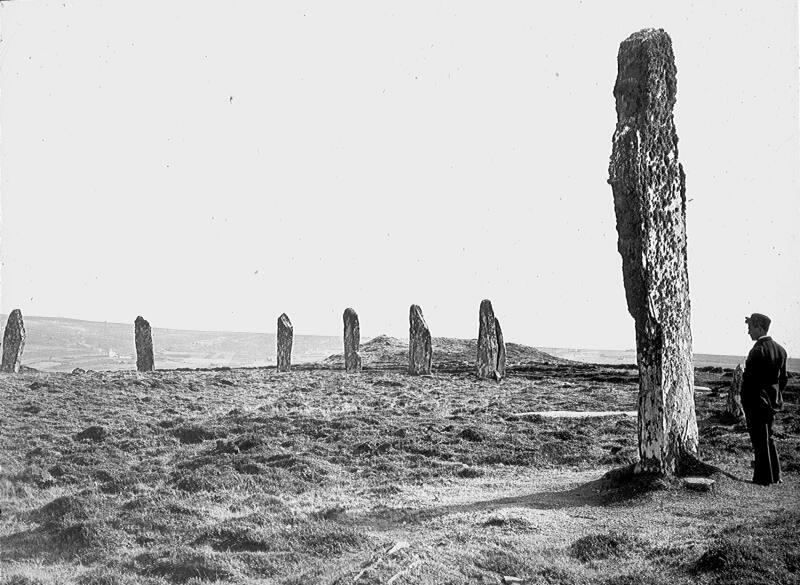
{"x": 767, "y": 464}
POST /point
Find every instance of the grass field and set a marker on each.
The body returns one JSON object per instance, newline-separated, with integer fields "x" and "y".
{"x": 250, "y": 476}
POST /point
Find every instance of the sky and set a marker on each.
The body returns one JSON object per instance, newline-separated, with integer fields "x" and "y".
{"x": 211, "y": 165}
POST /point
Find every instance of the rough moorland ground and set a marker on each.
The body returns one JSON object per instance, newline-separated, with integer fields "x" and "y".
{"x": 250, "y": 476}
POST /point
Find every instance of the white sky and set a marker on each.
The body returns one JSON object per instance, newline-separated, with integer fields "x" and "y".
{"x": 210, "y": 165}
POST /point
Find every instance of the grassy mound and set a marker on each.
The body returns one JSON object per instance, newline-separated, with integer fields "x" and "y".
{"x": 759, "y": 553}
{"x": 603, "y": 546}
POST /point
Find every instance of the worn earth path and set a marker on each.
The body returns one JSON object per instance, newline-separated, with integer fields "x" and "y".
{"x": 557, "y": 507}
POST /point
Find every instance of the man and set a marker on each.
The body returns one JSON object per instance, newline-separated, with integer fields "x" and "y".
{"x": 763, "y": 382}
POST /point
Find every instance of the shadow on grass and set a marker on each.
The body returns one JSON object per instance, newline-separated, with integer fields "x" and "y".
{"x": 618, "y": 487}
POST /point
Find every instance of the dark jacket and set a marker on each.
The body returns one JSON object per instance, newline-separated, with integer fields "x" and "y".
{"x": 764, "y": 378}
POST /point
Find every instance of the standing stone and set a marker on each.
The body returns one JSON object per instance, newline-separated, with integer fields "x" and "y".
{"x": 734, "y": 406}
{"x": 420, "y": 351}
{"x": 285, "y": 338}
{"x": 491, "y": 347}
{"x": 144, "y": 345}
{"x": 352, "y": 339}
{"x": 648, "y": 184}
{"x": 13, "y": 343}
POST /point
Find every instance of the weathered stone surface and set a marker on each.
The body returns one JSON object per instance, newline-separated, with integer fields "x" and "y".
{"x": 648, "y": 184}
{"x": 420, "y": 350}
{"x": 13, "y": 343}
{"x": 352, "y": 340}
{"x": 144, "y": 345}
{"x": 285, "y": 339}
{"x": 734, "y": 405}
{"x": 491, "y": 348}
{"x": 699, "y": 484}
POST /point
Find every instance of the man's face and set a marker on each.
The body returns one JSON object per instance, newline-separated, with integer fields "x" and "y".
{"x": 754, "y": 331}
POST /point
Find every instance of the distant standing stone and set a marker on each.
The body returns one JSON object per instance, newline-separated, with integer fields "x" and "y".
{"x": 352, "y": 340}
{"x": 285, "y": 337}
{"x": 734, "y": 406}
{"x": 13, "y": 343}
{"x": 420, "y": 351}
{"x": 491, "y": 347}
{"x": 144, "y": 345}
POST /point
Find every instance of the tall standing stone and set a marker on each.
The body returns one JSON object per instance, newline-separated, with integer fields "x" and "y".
{"x": 491, "y": 347}
{"x": 734, "y": 405}
{"x": 285, "y": 338}
{"x": 420, "y": 350}
{"x": 648, "y": 184}
{"x": 144, "y": 345}
{"x": 352, "y": 340}
{"x": 13, "y": 343}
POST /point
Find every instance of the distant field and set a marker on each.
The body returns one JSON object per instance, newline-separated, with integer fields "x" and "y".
{"x": 60, "y": 345}
{"x": 612, "y": 356}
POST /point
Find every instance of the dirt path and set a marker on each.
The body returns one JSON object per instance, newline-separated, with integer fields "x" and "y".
{"x": 560, "y": 506}
{"x": 521, "y": 520}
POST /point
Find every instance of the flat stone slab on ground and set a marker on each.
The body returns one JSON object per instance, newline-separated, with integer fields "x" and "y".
{"x": 577, "y": 413}
{"x": 700, "y": 484}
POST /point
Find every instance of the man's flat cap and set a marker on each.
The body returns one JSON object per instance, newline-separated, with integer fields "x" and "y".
{"x": 758, "y": 319}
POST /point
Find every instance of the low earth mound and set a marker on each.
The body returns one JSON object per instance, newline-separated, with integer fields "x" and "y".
{"x": 449, "y": 354}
